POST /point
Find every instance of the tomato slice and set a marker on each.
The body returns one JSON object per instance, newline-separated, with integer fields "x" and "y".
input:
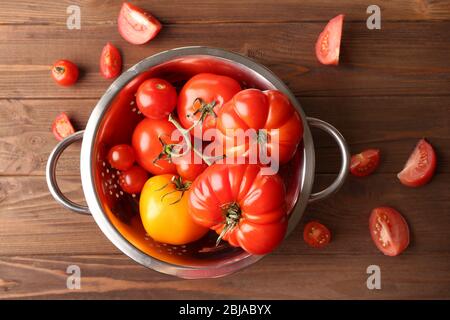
{"x": 329, "y": 42}
{"x": 136, "y": 25}
{"x": 420, "y": 167}
{"x": 316, "y": 234}
{"x": 389, "y": 230}
{"x": 121, "y": 157}
{"x": 62, "y": 127}
{"x": 110, "y": 61}
{"x": 133, "y": 180}
{"x": 365, "y": 163}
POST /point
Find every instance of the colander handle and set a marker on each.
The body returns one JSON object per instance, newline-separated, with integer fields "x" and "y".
{"x": 50, "y": 174}
{"x": 345, "y": 163}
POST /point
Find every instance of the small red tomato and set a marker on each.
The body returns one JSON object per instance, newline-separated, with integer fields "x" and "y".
{"x": 62, "y": 127}
{"x": 420, "y": 167}
{"x": 365, "y": 163}
{"x": 65, "y": 72}
{"x": 189, "y": 166}
{"x": 156, "y": 98}
{"x": 316, "y": 234}
{"x": 329, "y": 42}
{"x": 136, "y": 25}
{"x": 121, "y": 157}
{"x": 389, "y": 231}
{"x": 110, "y": 62}
{"x": 133, "y": 179}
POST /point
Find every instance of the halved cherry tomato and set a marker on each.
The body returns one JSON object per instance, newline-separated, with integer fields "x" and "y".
{"x": 316, "y": 234}
{"x": 201, "y": 98}
{"x": 389, "y": 230}
{"x": 329, "y": 42}
{"x": 365, "y": 163}
{"x": 110, "y": 61}
{"x": 62, "y": 127}
{"x": 156, "y": 98}
{"x": 65, "y": 72}
{"x": 121, "y": 157}
{"x": 420, "y": 167}
{"x": 133, "y": 180}
{"x": 136, "y": 25}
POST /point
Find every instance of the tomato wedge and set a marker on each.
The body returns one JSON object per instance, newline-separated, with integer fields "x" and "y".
{"x": 110, "y": 61}
{"x": 136, "y": 25}
{"x": 365, "y": 163}
{"x": 420, "y": 167}
{"x": 389, "y": 230}
{"x": 329, "y": 42}
{"x": 62, "y": 127}
{"x": 316, "y": 234}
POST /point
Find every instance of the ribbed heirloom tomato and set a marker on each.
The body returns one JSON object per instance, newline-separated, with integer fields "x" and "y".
{"x": 244, "y": 206}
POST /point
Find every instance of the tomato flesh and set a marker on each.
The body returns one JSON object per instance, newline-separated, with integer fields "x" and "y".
{"x": 110, "y": 62}
{"x": 121, "y": 157}
{"x": 136, "y": 25}
{"x": 420, "y": 167}
{"x": 132, "y": 180}
{"x": 316, "y": 234}
{"x": 156, "y": 98}
{"x": 389, "y": 231}
{"x": 65, "y": 72}
{"x": 329, "y": 42}
{"x": 364, "y": 163}
{"x": 62, "y": 127}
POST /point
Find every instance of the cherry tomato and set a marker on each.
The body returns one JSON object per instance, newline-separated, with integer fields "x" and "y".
{"x": 243, "y": 205}
{"x": 62, "y": 127}
{"x": 136, "y": 25}
{"x": 121, "y": 157}
{"x": 133, "y": 179}
{"x": 65, "y": 72}
{"x": 420, "y": 167}
{"x": 365, "y": 163}
{"x": 316, "y": 234}
{"x": 110, "y": 61}
{"x": 201, "y": 98}
{"x": 329, "y": 42}
{"x": 189, "y": 166}
{"x": 389, "y": 231}
{"x": 156, "y": 98}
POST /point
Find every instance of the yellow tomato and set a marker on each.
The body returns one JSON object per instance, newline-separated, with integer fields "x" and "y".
{"x": 164, "y": 211}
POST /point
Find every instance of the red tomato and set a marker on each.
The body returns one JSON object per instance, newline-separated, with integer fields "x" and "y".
{"x": 62, "y": 127}
{"x": 147, "y": 143}
{"x": 121, "y": 157}
{"x": 244, "y": 206}
{"x": 156, "y": 98}
{"x": 389, "y": 231}
{"x": 110, "y": 61}
{"x": 329, "y": 42}
{"x": 133, "y": 179}
{"x": 420, "y": 167}
{"x": 316, "y": 234}
{"x": 365, "y": 163}
{"x": 136, "y": 25}
{"x": 267, "y": 110}
{"x": 189, "y": 166}
{"x": 202, "y": 97}
{"x": 65, "y": 72}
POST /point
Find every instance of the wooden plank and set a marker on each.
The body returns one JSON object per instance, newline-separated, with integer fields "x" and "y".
{"x": 389, "y": 123}
{"x": 290, "y": 277}
{"x": 32, "y": 223}
{"x": 400, "y": 59}
{"x": 205, "y": 11}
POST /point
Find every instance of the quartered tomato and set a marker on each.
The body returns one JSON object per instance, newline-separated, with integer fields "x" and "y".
{"x": 389, "y": 230}
{"x": 329, "y": 42}
{"x": 62, "y": 127}
{"x": 316, "y": 234}
{"x": 110, "y": 62}
{"x": 121, "y": 157}
{"x": 133, "y": 180}
{"x": 365, "y": 163}
{"x": 201, "y": 98}
{"x": 270, "y": 114}
{"x": 136, "y": 25}
{"x": 65, "y": 72}
{"x": 156, "y": 98}
{"x": 420, "y": 167}
{"x": 243, "y": 205}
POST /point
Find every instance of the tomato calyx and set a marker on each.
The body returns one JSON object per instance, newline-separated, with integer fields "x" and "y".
{"x": 167, "y": 151}
{"x": 232, "y": 213}
{"x": 179, "y": 184}
{"x": 60, "y": 70}
{"x": 205, "y": 110}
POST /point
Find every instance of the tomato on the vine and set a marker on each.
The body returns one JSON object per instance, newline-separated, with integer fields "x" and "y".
{"x": 121, "y": 157}
{"x": 65, "y": 72}
{"x": 156, "y": 98}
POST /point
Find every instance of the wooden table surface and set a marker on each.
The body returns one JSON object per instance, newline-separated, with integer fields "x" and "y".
{"x": 391, "y": 88}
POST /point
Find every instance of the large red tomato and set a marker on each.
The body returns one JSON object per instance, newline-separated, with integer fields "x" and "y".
{"x": 244, "y": 206}
{"x": 201, "y": 98}
{"x": 255, "y": 109}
